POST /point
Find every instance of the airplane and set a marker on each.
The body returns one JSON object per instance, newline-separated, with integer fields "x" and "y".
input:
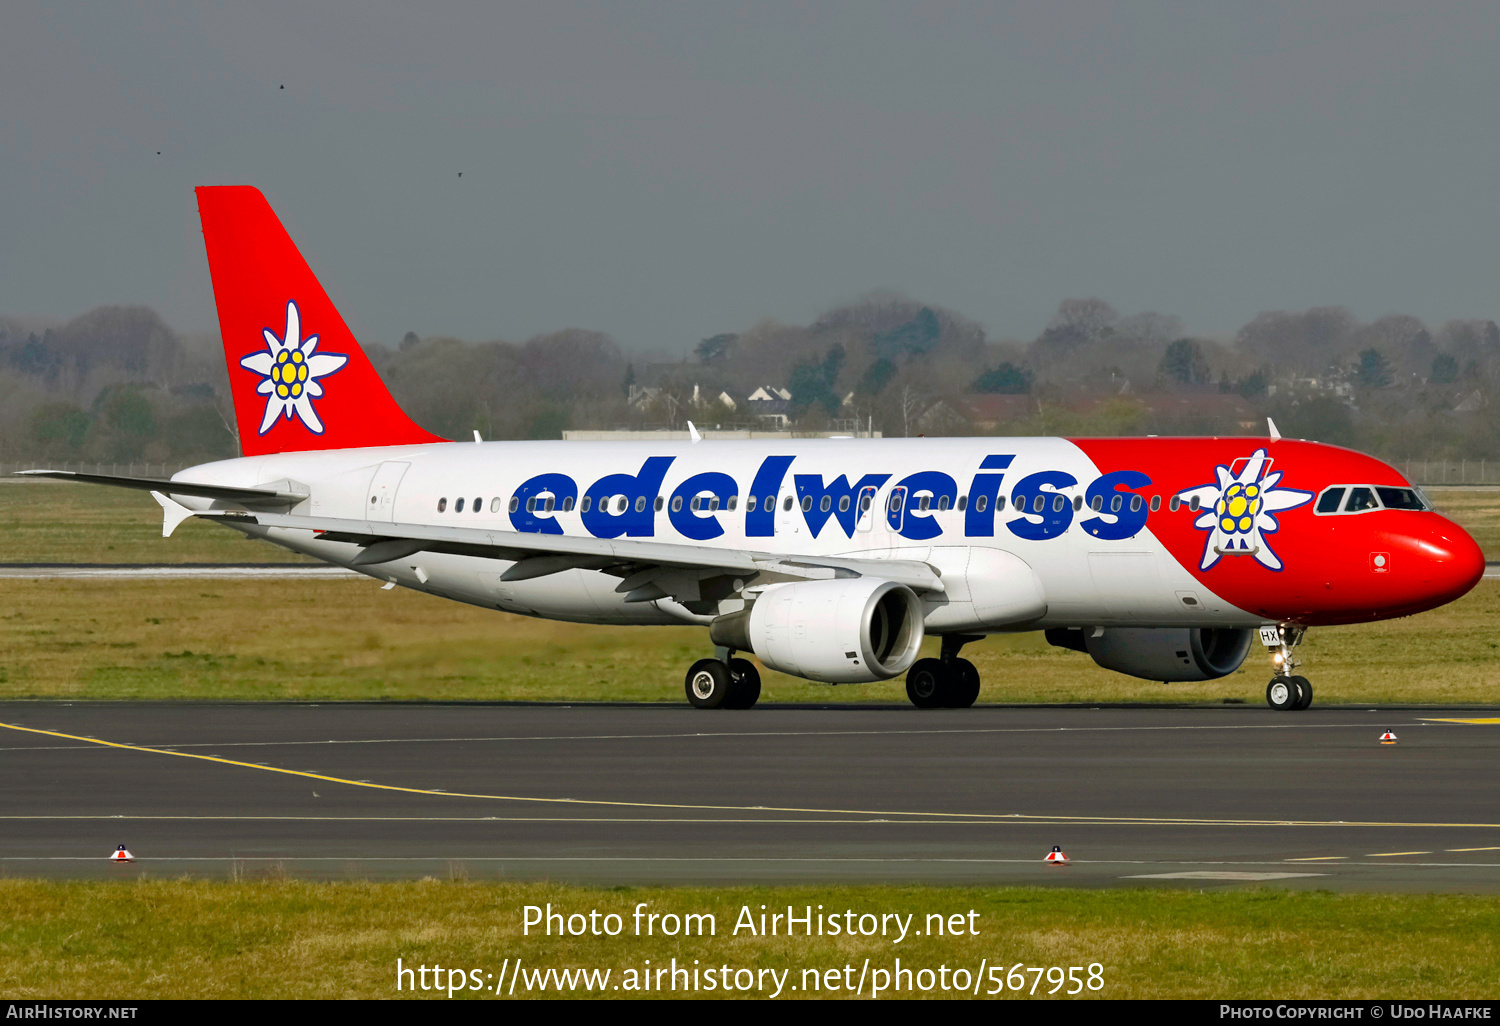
{"x": 828, "y": 559}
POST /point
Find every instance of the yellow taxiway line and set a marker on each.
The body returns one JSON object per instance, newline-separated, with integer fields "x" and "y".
{"x": 988, "y": 817}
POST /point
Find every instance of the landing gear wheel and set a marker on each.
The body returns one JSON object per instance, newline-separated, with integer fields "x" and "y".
{"x": 928, "y": 684}
{"x": 708, "y": 684}
{"x": 745, "y": 691}
{"x": 1304, "y": 692}
{"x": 964, "y": 686}
{"x": 1282, "y": 693}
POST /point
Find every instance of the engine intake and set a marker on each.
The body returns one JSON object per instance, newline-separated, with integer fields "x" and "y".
{"x": 841, "y": 631}
{"x": 1168, "y": 654}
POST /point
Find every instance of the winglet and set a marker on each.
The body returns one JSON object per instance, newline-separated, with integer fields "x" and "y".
{"x": 477, "y": 439}
{"x": 1275, "y": 435}
{"x": 173, "y": 513}
{"x": 693, "y": 433}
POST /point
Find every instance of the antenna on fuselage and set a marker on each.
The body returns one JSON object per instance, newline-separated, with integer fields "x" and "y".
{"x": 693, "y": 433}
{"x": 1275, "y": 435}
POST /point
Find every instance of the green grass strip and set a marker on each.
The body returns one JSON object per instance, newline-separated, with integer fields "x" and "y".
{"x": 285, "y": 938}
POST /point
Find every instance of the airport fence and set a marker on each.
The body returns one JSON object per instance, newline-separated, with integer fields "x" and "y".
{"x": 1449, "y": 472}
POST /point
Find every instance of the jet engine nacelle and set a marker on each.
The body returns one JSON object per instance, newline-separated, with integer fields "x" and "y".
{"x": 841, "y": 631}
{"x": 1161, "y": 653}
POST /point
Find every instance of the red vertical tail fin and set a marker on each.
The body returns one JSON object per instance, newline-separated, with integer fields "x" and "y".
{"x": 298, "y": 376}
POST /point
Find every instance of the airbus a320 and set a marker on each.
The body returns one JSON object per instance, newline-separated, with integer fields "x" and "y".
{"x": 828, "y": 559}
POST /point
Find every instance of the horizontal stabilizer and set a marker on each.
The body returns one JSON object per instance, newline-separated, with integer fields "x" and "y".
{"x": 255, "y": 496}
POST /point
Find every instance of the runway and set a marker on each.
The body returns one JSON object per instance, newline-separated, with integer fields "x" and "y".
{"x": 1201, "y": 797}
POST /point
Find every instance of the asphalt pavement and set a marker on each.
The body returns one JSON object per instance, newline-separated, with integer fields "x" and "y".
{"x": 1221, "y": 796}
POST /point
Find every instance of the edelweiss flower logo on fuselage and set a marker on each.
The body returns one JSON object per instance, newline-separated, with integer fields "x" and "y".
{"x": 290, "y": 370}
{"x": 1239, "y": 511}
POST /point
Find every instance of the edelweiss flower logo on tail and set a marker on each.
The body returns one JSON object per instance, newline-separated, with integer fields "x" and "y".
{"x": 1239, "y": 511}
{"x": 290, "y": 371}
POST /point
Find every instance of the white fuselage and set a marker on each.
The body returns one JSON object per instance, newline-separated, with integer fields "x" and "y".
{"x": 828, "y": 497}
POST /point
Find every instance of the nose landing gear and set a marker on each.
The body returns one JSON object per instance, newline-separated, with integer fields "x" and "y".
{"x": 1286, "y": 690}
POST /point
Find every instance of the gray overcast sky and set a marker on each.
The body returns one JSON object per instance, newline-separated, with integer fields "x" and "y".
{"x": 665, "y": 172}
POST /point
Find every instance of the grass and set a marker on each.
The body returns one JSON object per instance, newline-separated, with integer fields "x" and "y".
{"x": 335, "y": 639}
{"x": 282, "y": 938}
{"x": 44, "y": 521}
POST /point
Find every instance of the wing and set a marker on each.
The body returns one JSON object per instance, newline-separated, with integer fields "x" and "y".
{"x": 648, "y": 569}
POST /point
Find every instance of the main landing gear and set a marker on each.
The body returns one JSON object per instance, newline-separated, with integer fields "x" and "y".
{"x": 1286, "y": 690}
{"x": 947, "y": 682}
{"x": 723, "y": 682}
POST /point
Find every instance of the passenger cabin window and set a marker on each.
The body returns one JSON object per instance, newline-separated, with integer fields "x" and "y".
{"x": 442, "y": 504}
{"x": 1155, "y": 503}
{"x": 479, "y": 504}
{"x": 786, "y": 504}
{"x": 495, "y": 504}
{"x": 458, "y": 505}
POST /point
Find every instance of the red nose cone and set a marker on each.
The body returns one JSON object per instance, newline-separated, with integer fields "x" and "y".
{"x": 1453, "y": 561}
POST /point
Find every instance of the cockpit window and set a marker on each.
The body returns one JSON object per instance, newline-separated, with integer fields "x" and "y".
{"x": 1400, "y": 498}
{"x": 1337, "y": 499}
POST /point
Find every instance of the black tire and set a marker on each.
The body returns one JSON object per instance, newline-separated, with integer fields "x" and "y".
{"x": 927, "y": 684}
{"x": 965, "y": 687}
{"x": 1304, "y": 692}
{"x": 708, "y": 684}
{"x": 745, "y": 691}
{"x": 1282, "y": 693}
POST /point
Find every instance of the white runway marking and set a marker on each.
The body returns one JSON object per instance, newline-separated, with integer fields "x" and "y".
{"x": 1212, "y": 875}
{"x": 757, "y": 859}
